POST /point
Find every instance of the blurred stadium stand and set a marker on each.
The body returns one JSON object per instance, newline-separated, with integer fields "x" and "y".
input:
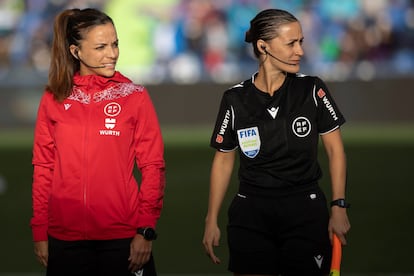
{"x": 188, "y": 51}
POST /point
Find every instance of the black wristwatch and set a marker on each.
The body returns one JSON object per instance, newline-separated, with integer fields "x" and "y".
{"x": 341, "y": 203}
{"x": 148, "y": 233}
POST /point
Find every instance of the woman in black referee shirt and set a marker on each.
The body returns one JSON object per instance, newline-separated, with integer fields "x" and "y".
{"x": 278, "y": 222}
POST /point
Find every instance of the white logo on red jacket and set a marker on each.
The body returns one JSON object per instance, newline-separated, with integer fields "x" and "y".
{"x": 111, "y": 110}
{"x": 110, "y": 123}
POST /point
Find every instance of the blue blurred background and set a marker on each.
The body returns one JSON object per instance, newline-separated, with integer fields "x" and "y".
{"x": 171, "y": 44}
{"x": 188, "y": 41}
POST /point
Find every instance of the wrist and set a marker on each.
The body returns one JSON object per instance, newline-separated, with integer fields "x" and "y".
{"x": 340, "y": 202}
{"x": 148, "y": 233}
{"x": 211, "y": 218}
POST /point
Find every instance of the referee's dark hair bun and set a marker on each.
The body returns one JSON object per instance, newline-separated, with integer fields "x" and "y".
{"x": 248, "y": 37}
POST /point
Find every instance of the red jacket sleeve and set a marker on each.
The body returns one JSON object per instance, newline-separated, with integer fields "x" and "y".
{"x": 43, "y": 164}
{"x": 149, "y": 150}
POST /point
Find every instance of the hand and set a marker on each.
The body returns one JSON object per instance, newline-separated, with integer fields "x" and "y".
{"x": 42, "y": 252}
{"x": 211, "y": 238}
{"x": 140, "y": 253}
{"x": 339, "y": 223}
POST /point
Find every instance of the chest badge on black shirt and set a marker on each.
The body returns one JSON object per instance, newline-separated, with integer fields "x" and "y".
{"x": 249, "y": 141}
{"x": 273, "y": 111}
{"x": 301, "y": 127}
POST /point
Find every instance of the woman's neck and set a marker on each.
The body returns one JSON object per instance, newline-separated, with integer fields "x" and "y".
{"x": 269, "y": 82}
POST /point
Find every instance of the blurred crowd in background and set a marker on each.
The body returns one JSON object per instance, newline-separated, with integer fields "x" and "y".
{"x": 189, "y": 41}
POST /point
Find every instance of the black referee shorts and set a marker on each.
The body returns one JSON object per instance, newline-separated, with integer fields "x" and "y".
{"x": 92, "y": 258}
{"x": 279, "y": 236}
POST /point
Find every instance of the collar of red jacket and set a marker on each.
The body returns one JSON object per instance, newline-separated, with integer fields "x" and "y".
{"x": 93, "y": 83}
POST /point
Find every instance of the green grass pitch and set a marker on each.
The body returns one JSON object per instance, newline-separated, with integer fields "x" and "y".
{"x": 380, "y": 188}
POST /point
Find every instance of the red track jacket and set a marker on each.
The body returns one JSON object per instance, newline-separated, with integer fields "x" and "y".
{"x": 84, "y": 153}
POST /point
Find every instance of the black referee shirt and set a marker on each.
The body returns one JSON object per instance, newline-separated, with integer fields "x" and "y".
{"x": 277, "y": 136}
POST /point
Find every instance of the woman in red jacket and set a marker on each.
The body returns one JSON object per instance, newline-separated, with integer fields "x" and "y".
{"x": 90, "y": 216}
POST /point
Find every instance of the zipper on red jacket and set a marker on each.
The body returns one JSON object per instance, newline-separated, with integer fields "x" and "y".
{"x": 86, "y": 167}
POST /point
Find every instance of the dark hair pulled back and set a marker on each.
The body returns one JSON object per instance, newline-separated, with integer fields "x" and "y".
{"x": 265, "y": 26}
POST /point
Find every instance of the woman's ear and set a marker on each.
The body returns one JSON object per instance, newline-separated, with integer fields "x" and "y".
{"x": 261, "y": 46}
{"x": 74, "y": 51}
